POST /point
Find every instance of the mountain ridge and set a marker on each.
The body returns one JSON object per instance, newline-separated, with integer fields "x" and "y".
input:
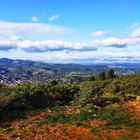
{"x": 17, "y": 71}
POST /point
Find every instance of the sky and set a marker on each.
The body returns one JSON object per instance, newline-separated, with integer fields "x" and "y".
{"x": 70, "y": 31}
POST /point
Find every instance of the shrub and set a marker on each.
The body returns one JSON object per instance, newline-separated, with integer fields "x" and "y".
{"x": 86, "y": 95}
{"x": 102, "y": 75}
{"x": 5, "y": 97}
{"x": 27, "y": 96}
{"x": 5, "y": 100}
{"x": 111, "y": 73}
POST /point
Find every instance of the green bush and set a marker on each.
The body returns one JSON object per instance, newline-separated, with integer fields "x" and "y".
{"x": 87, "y": 94}
{"x": 5, "y": 97}
{"x": 5, "y": 100}
{"x": 29, "y": 96}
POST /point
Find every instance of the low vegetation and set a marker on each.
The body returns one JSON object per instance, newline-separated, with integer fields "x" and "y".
{"x": 104, "y": 109}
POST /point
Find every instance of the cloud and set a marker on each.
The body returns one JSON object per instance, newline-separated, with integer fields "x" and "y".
{"x": 43, "y": 46}
{"x": 20, "y": 29}
{"x": 134, "y": 25}
{"x": 99, "y": 49}
{"x": 115, "y": 42}
{"x": 15, "y": 38}
{"x": 17, "y": 29}
{"x": 34, "y": 19}
{"x": 78, "y": 52}
{"x": 136, "y": 33}
{"x": 106, "y": 56}
{"x": 92, "y": 56}
{"x": 100, "y": 33}
{"x": 6, "y": 45}
{"x": 54, "y": 17}
{"x": 58, "y": 45}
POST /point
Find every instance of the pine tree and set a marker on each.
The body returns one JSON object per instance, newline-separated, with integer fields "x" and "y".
{"x": 92, "y": 78}
{"x": 102, "y": 75}
{"x": 111, "y": 74}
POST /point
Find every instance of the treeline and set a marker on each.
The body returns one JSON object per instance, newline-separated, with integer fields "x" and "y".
{"x": 103, "y": 75}
{"x": 99, "y": 92}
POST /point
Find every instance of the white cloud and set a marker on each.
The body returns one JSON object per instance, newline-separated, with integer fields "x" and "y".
{"x": 58, "y": 45}
{"x": 6, "y": 45}
{"x": 91, "y": 56}
{"x": 43, "y": 46}
{"x": 54, "y": 17}
{"x": 136, "y": 33}
{"x": 115, "y": 42}
{"x": 134, "y": 25}
{"x": 15, "y": 38}
{"x": 100, "y": 33}
{"x": 109, "y": 55}
{"x": 34, "y": 19}
{"x": 78, "y": 52}
{"x": 19, "y": 29}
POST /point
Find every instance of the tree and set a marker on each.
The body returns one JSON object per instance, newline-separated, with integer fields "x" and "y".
{"x": 92, "y": 78}
{"x": 111, "y": 74}
{"x": 53, "y": 82}
{"x": 102, "y": 75}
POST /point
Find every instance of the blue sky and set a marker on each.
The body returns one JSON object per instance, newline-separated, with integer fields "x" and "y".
{"x": 70, "y": 31}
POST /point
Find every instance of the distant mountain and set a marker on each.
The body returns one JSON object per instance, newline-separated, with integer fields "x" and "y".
{"x": 134, "y": 65}
{"x": 6, "y": 61}
{"x": 17, "y": 71}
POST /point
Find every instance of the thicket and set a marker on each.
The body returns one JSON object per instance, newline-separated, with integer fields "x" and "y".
{"x": 31, "y": 96}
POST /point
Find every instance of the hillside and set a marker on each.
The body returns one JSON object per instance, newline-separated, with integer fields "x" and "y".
{"x": 101, "y": 109}
{"x": 19, "y": 71}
